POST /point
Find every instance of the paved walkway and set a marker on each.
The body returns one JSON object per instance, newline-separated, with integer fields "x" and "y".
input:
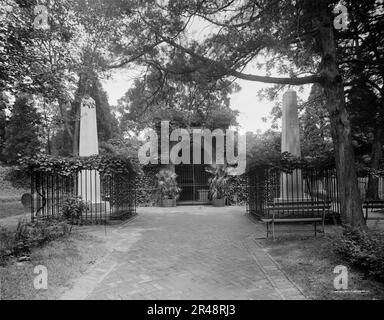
{"x": 185, "y": 253}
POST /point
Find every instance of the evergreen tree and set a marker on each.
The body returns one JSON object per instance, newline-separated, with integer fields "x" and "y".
{"x": 107, "y": 124}
{"x": 22, "y": 130}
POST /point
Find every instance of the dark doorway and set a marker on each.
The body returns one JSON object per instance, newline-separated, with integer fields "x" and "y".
{"x": 193, "y": 181}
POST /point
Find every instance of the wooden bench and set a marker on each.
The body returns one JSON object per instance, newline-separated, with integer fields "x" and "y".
{"x": 296, "y": 212}
{"x": 373, "y": 204}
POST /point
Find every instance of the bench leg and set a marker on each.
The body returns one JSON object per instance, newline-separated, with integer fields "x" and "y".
{"x": 273, "y": 230}
{"x": 323, "y": 226}
{"x": 315, "y": 229}
{"x": 267, "y": 230}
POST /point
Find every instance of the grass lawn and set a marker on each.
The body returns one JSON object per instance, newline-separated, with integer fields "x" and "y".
{"x": 8, "y": 209}
{"x": 65, "y": 259}
{"x": 310, "y": 262}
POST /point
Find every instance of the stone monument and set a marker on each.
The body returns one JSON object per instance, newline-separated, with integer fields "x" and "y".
{"x": 291, "y": 185}
{"x": 89, "y": 180}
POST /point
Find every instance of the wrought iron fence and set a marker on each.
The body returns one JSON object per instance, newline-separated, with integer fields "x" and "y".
{"x": 107, "y": 197}
{"x": 267, "y": 186}
{"x": 363, "y": 182}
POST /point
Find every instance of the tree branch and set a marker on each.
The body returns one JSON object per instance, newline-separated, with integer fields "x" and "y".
{"x": 250, "y": 77}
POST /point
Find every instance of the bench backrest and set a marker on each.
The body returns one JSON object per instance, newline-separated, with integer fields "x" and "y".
{"x": 367, "y": 202}
{"x": 298, "y": 209}
{"x": 299, "y": 203}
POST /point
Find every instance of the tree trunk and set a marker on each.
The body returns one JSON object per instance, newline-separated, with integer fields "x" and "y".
{"x": 349, "y": 194}
{"x": 332, "y": 83}
{"x": 76, "y": 111}
{"x": 49, "y": 146}
{"x": 64, "y": 115}
{"x": 49, "y": 149}
{"x": 376, "y": 155}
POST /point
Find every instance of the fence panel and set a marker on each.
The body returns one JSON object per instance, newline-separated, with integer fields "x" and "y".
{"x": 267, "y": 186}
{"x": 107, "y": 197}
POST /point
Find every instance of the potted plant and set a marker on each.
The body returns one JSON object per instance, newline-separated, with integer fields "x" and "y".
{"x": 168, "y": 188}
{"x": 218, "y": 186}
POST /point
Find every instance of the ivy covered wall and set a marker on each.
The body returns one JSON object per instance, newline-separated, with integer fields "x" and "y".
{"x": 146, "y": 192}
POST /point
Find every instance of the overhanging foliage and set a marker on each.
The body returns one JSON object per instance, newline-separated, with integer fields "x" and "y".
{"x": 287, "y": 162}
{"x": 67, "y": 166}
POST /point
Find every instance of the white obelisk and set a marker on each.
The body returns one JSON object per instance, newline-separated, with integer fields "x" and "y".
{"x": 89, "y": 180}
{"x": 291, "y": 185}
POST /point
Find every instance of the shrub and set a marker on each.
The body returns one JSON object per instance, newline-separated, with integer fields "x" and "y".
{"x": 28, "y": 235}
{"x": 146, "y": 186}
{"x": 237, "y": 190}
{"x": 167, "y": 184}
{"x": 364, "y": 250}
{"x": 7, "y": 242}
{"x": 72, "y": 209}
{"x": 219, "y": 183}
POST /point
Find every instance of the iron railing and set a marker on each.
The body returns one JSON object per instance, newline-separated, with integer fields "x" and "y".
{"x": 107, "y": 197}
{"x": 363, "y": 182}
{"x": 268, "y": 186}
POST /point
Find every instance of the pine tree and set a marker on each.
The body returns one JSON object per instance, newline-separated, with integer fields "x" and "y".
{"x": 22, "y": 130}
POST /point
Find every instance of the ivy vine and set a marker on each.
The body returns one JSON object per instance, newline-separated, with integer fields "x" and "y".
{"x": 105, "y": 164}
{"x": 287, "y": 162}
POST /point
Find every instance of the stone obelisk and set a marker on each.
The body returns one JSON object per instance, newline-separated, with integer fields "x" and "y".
{"x": 89, "y": 180}
{"x": 291, "y": 185}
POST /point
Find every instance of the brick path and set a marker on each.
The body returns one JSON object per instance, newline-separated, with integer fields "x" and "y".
{"x": 185, "y": 253}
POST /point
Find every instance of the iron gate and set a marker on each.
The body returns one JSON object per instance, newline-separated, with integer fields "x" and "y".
{"x": 193, "y": 181}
